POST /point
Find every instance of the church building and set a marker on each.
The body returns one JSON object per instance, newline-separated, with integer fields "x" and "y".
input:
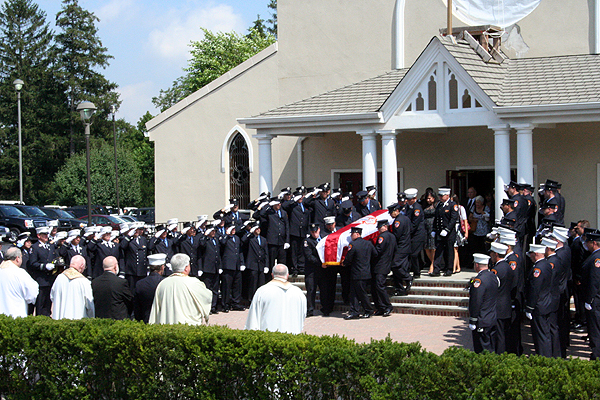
{"x": 374, "y": 92}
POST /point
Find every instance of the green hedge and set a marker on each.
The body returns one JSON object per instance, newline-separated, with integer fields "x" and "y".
{"x": 103, "y": 359}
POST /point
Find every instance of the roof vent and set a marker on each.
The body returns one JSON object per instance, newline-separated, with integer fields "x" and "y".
{"x": 484, "y": 39}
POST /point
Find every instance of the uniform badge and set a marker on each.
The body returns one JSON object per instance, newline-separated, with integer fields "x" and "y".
{"x": 396, "y": 224}
{"x": 513, "y": 265}
{"x": 597, "y": 263}
{"x": 446, "y": 210}
{"x": 529, "y": 202}
{"x": 516, "y": 203}
{"x": 305, "y": 243}
{"x": 417, "y": 213}
{"x": 380, "y": 240}
{"x": 477, "y": 283}
{"x": 456, "y": 207}
{"x": 536, "y": 272}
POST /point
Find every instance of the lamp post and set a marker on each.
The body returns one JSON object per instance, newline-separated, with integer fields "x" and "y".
{"x": 18, "y": 86}
{"x": 86, "y": 109}
{"x": 113, "y": 109}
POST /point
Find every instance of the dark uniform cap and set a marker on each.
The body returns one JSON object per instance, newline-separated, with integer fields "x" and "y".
{"x": 515, "y": 185}
{"x": 551, "y": 185}
{"x": 325, "y": 186}
{"x": 274, "y": 200}
{"x": 301, "y": 189}
{"x": 347, "y": 205}
{"x": 313, "y": 227}
{"x": 508, "y": 202}
{"x": 372, "y": 187}
{"x": 393, "y": 207}
{"x": 286, "y": 190}
{"x": 382, "y": 223}
{"x": 355, "y": 229}
{"x": 592, "y": 236}
{"x": 401, "y": 196}
{"x": 362, "y": 194}
{"x": 235, "y": 202}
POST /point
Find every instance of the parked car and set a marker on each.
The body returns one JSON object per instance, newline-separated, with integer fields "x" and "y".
{"x": 17, "y": 221}
{"x": 145, "y": 214}
{"x": 104, "y": 220}
{"x": 4, "y": 233}
{"x": 128, "y": 218}
{"x": 66, "y": 220}
{"x": 80, "y": 211}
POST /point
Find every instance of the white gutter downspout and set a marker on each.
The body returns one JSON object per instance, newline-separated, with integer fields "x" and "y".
{"x": 300, "y": 156}
{"x": 398, "y": 35}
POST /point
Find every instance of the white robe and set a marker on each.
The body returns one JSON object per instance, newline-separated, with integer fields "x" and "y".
{"x": 181, "y": 299}
{"x": 17, "y": 289}
{"x": 72, "y": 296}
{"x": 277, "y": 306}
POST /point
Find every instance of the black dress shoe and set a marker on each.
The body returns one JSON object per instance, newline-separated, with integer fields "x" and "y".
{"x": 448, "y": 273}
{"x": 309, "y": 314}
{"x": 238, "y": 308}
{"x": 401, "y": 292}
{"x": 408, "y": 286}
{"x": 325, "y": 313}
{"x": 214, "y": 311}
{"x": 387, "y": 313}
{"x": 352, "y": 316}
{"x": 416, "y": 276}
{"x": 434, "y": 274}
{"x": 367, "y": 315}
{"x": 379, "y": 312}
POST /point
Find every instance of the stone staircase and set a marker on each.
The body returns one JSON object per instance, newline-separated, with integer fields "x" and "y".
{"x": 443, "y": 296}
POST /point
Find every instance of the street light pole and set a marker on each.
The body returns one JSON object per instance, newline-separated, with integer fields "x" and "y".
{"x": 114, "y": 110}
{"x": 18, "y": 86}
{"x": 86, "y": 109}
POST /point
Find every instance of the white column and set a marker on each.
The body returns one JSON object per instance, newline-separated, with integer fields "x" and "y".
{"x": 501, "y": 163}
{"x": 595, "y": 47}
{"x": 369, "y": 153}
{"x": 389, "y": 165}
{"x": 524, "y": 153}
{"x": 300, "y": 154}
{"x": 265, "y": 164}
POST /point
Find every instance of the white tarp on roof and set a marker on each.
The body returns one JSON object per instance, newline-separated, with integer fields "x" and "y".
{"x": 501, "y": 13}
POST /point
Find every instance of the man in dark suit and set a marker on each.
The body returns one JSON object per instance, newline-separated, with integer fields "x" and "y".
{"x": 233, "y": 264}
{"x": 211, "y": 268}
{"x": 483, "y": 295}
{"x": 41, "y": 268}
{"x": 313, "y": 269}
{"x": 418, "y": 234}
{"x": 163, "y": 244}
{"x": 386, "y": 249}
{"x": 401, "y": 229}
{"x": 320, "y": 203}
{"x": 146, "y": 288}
{"x": 366, "y": 205}
{"x": 135, "y": 249}
{"x": 299, "y": 217}
{"x": 102, "y": 249}
{"x": 360, "y": 254}
{"x": 72, "y": 247}
{"x": 347, "y": 215}
{"x": 188, "y": 244}
{"x": 507, "y": 278}
{"x": 444, "y": 230}
{"x": 112, "y": 296}
{"x": 275, "y": 221}
{"x": 257, "y": 260}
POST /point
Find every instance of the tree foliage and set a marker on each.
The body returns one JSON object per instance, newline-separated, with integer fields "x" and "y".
{"x": 71, "y": 180}
{"x": 213, "y": 56}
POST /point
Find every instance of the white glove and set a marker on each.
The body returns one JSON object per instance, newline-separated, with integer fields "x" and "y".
{"x": 200, "y": 273}
{"x": 444, "y": 233}
{"x": 266, "y": 270}
{"x": 156, "y": 235}
{"x": 588, "y": 306}
{"x": 50, "y": 267}
{"x": 220, "y": 271}
{"x": 131, "y": 232}
{"x": 168, "y": 265}
{"x": 242, "y": 267}
{"x": 432, "y": 234}
{"x": 472, "y": 327}
{"x": 528, "y": 315}
{"x": 286, "y": 246}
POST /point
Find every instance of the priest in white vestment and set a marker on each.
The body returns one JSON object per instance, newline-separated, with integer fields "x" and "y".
{"x": 17, "y": 287}
{"x": 71, "y": 294}
{"x": 179, "y": 298}
{"x": 278, "y": 306}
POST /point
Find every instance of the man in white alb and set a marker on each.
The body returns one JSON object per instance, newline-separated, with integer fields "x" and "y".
{"x": 278, "y": 306}
{"x": 179, "y": 298}
{"x": 17, "y": 287}
{"x": 71, "y": 293}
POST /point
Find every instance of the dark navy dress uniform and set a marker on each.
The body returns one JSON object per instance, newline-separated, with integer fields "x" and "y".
{"x": 68, "y": 251}
{"x": 371, "y": 206}
{"x": 591, "y": 268}
{"x": 320, "y": 208}
{"x": 299, "y": 217}
{"x": 312, "y": 272}
{"x": 42, "y": 254}
{"x": 277, "y": 228}
{"x": 543, "y": 309}
{"x": 504, "y": 311}
{"x": 418, "y": 235}
{"x": 446, "y": 217}
{"x": 517, "y": 265}
{"x": 358, "y": 260}
{"x": 257, "y": 259}
{"x": 232, "y": 259}
{"x": 135, "y": 251}
{"x": 210, "y": 252}
{"x": 144, "y": 296}
{"x": 189, "y": 245}
{"x": 386, "y": 250}
{"x": 400, "y": 228}
{"x": 562, "y": 273}
{"x": 483, "y": 295}
{"x": 101, "y": 250}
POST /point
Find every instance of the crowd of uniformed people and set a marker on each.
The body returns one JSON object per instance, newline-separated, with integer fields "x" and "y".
{"x": 529, "y": 272}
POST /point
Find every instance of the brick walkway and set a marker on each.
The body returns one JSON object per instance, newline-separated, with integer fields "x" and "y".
{"x": 434, "y": 333}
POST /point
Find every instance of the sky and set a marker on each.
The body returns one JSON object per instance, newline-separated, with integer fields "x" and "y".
{"x": 149, "y": 40}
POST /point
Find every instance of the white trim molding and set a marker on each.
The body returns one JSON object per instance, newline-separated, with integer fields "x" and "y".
{"x": 227, "y": 143}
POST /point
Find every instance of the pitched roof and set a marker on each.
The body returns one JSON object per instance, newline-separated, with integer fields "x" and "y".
{"x": 534, "y": 81}
{"x": 362, "y": 97}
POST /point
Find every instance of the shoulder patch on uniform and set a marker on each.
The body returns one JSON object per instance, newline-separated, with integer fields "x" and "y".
{"x": 380, "y": 240}
{"x": 446, "y": 210}
{"x": 417, "y": 213}
{"x": 536, "y": 272}
{"x": 306, "y": 243}
{"x": 513, "y": 265}
{"x": 516, "y": 203}
{"x": 349, "y": 247}
{"x": 456, "y": 207}
{"x": 597, "y": 263}
{"x": 396, "y": 224}
{"x": 494, "y": 271}
{"x": 552, "y": 265}
{"x": 528, "y": 202}
{"x": 476, "y": 282}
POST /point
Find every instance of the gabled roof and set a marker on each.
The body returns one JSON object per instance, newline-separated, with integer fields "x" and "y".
{"x": 362, "y": 97}
{"x": 540, "y": 81}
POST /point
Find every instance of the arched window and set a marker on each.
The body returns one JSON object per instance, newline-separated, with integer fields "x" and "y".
{"x": 239, "y": 170}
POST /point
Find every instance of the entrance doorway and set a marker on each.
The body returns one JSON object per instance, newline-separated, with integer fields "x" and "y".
{"x": 481, "y": 179}
{"x": 353, "y": 182}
